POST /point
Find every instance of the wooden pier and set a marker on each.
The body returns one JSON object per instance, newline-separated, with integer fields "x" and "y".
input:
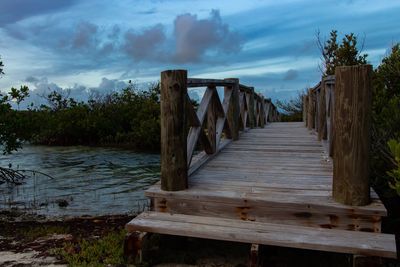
{"x": 232, "y": 171}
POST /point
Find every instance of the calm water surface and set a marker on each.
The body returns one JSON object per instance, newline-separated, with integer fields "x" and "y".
{"x": 94, "y": 181}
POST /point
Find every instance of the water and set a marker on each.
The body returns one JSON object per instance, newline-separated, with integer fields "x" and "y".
{"x": 94, "y": 181}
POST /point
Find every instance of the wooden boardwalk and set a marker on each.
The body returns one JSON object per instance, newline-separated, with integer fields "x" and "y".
{"x": 231, "y": 171}
{"x": 278, "y": 174}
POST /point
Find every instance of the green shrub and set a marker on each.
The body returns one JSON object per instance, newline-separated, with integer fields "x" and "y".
{"x": 394, "y": 147}
{"x": 105, "y": 251}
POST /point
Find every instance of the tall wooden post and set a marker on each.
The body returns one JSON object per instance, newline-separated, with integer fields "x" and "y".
{"x": 251, "y": 108}
{"x": 268, "y": 111}
{"x": 262, "y": 112}
{"x": 305, "y": 109}
{"x": 310, "y": 110}
{"x": 322, "y": 134}
{"x": 353, "y": 93}
{"x": 211, "y": 122}
{"x": 173, "y": 130}
{"x": 234, "y": 110}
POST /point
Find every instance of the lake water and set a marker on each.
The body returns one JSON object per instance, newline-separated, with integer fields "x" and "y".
{"x": 94, "y": 181}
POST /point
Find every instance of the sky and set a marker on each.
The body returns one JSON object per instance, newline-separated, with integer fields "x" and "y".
{"x": 89, "y": 45}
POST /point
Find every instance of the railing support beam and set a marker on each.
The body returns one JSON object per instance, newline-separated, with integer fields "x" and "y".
{"x": 234, "y": 109}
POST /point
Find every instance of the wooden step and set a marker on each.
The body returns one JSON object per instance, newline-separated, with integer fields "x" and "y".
{"x": 252, "y": 201}
{"x": 351, "y": 242}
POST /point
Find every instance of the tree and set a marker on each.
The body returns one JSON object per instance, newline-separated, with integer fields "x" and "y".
{"x": 11, "y": 127}
{"x": 344, "y": 54}
{"x": 385, "y": 117}
{"x": 19, "y": 94}
{"x": 292, "y": 109}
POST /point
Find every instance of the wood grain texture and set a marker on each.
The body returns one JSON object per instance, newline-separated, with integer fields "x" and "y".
{"x": 173, "y": 130}
{"x": 305, "y": 107}
{"x": 353, "y": 92}
{"x": 250, "y": 101}
{"x": 310, "y": 110}
{"x": 212, "y": 122}
{"x": 234, "y": 109}
{"x": 371, "y": 244}
{"x": 322, "y": 132}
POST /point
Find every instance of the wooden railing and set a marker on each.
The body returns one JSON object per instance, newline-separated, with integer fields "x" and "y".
{"x": 338, "y": 108}
{"x": 209, "y": 126}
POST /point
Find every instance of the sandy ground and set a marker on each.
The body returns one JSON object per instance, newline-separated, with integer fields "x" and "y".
{"x": 29, "y": 258}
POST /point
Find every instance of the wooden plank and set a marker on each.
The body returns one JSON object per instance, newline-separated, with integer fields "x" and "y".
{"x": 233, "y": 110}
{"x": 371, "y": 244}
{"x": 193, "y": 120}
{"x": 204, "y": 158}
{"x": 199, "y": 82}
{"x": 269, "y": 214}
{"x": 194, "y": 132}
{"x": 323, "y": 204}
{"x": 212, "y": 123}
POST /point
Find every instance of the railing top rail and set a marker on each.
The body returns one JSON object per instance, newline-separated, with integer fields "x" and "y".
{"x": 199, "y": 82}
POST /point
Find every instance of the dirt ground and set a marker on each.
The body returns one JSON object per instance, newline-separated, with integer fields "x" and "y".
{"x": 30, "y": 240}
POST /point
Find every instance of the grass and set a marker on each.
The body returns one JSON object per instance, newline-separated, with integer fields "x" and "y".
{"x": 107, "y": 250}
{"x": 34, "y": 232}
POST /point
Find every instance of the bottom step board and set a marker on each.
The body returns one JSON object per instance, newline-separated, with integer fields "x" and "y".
{"x": 342, "y": 241}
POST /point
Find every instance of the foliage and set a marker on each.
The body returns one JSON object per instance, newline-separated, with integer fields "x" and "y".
{"x": 12, "y": 122}
{"x": 385, "y": 116}
{"x": 292, "y": 109}
{"x": 18, "y": 95}
{"x": 1, "y": 67}
{"x": 128, "y": 118}
{"x": 343, "y": 54}
{"x": 394, "y": 147}
{"x": 105, "y": 251}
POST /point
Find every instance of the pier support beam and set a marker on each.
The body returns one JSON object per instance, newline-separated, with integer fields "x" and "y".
{"x": 234, "y": 109}
{"x": 173, "y": 130}
{"x": 353, "y": 92}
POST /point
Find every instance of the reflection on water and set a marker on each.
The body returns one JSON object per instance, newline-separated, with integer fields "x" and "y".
{"x": 94, "y": 181}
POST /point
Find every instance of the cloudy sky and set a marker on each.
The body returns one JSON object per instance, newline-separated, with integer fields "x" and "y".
{"x": 101, "y": 44}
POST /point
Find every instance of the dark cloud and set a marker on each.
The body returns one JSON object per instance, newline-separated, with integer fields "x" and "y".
{"x": 85, "y": 36}
{"x": 31, "y": 79}
{"x": 16, "y": 10}
{"x": 290, "y": 75}
{"x": 144, "y": 45}
{"x": 194, "y": 37}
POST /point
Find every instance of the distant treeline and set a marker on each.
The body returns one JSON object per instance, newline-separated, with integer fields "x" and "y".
{"x": 130, "y": 118}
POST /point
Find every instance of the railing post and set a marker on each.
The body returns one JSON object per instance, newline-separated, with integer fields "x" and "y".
{"x": 211, "y": 123}
{"x": 310, "y": 110}
{"x": 353, "y": 93}
{"x": 173, "y": 130}
{"x": 252, "y": 117}
{"x": 262, "y": 112}
{"x": 322, "y": 113}
{"x": 305, "y": 109}
{"x": 268, "y": 108}
{"x": 234, "y": 110}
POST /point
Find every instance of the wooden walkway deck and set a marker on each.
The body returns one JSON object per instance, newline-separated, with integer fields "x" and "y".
{"x": 278, "y": 174}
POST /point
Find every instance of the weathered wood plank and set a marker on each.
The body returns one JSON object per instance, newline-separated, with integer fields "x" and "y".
{"x": 372, "y": 244}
